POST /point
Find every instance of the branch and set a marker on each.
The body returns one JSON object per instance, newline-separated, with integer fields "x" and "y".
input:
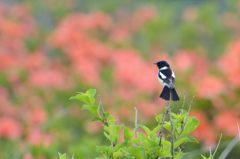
{"x": 238, "y": 130}
{"x": 136, "y": 121}
{"x": 184, "y": 100}
{"x": 229, "y": 148}
{"x": 219, "y": 141}
{"x": 102, "y": 112}
{"x": 172, "y": 133}
{"x": 162, "y": 124}
{"x": 185, "y": 118}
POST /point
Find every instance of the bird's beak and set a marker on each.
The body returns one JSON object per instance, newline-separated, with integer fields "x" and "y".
{"x": 155, "y": 63}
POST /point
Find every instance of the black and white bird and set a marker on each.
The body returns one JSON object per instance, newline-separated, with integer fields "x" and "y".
{"x": 167, "y": 78}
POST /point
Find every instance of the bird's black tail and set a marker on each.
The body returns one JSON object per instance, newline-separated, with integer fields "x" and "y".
{"x": 174, "y": 94}
{"x": 165, "y": 93}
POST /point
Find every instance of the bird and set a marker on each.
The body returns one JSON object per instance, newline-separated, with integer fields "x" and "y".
{"x": 167, "y": 78}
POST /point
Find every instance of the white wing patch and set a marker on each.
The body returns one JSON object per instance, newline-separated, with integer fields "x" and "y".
{"x": 173, "y": 75}
{"x": 162, "y": 75}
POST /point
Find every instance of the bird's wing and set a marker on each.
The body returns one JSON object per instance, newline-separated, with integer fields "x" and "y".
{"x": 167, "y": 76}
{"x": 166, "y": 72}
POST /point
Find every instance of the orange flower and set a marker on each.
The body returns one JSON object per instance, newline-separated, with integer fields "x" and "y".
{"x": 88, "y": 70}
{"x": 10, "y": 128}
{"x": 226, "y": 121}
{"x": 149, "y": 109}
{"x": 38, "y": 138}
{"x": 229, "y": 63}
{"x": 185, "y": 61}
{"x": 27, "y": 156}
{"x": 125, "y": 93}
{"x": 35, "y": 60}
{"x": 205, "y": 131}
{"x": 7, "y": 61}
{"x": 210, "y": 87}
{"x": 48, "y": 78}
{"x": 132, "y": 71}
{"x": 93, "y": 127}
{"x": 85, "y": 52}
{"x": 36, "y": 115}
{"x": 130, "y": 24}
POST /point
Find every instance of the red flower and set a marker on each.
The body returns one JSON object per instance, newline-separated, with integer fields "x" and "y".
{"x": 205, "y": 131}
{"x": 210, "y": 87}
{"x": 48, "y": 78}
{"x": 132, "y": 71}
{"x": 186, "y": 61}
{"x": 229, "y": 63}
{"x": 149, "y": 109}
{"x": 36, "y": 115}
{"x": 226, "y": 121}
{"x": 93, "y": 127}
{"x": 38, "y": 138}
{"x": 10, "y": 128}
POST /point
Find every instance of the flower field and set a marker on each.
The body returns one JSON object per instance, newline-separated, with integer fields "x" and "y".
{"x": 51, "y": 49}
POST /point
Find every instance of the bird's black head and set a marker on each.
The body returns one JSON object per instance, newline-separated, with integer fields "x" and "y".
{"x": 161, "y": 64}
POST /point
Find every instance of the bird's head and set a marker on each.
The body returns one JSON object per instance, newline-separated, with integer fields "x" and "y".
{"x": 161, "y": 64}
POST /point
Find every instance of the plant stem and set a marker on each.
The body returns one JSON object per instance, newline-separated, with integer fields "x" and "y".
{"x": 219, "y": 141}
{"x": 162, "y": 123}
{"x": 229, "y": 148}
{"x": 172, "y": 133}
{"x": 136, "y": 121}
{"x": 186, "y": 118}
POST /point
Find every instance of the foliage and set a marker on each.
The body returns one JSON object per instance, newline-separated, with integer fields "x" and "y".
{"x": 145, "y": 144}
{"x": 52, "y": 48}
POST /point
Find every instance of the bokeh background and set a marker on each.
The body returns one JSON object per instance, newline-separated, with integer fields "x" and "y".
{"x": 50, "y": 49}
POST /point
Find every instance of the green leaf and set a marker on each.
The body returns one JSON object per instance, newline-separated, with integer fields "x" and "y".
{"x": 179, "y": 155}
{"x": 62, "y": 156}
{"x": 184, "y": 139}
{"x": 112, "y": 132}
{"x": 106, "y": 150}
{"x": 191, "y": 124}
{"x": 88, "y": 97}
{"x": 92, "y": 92}
{"x": 158, "y": 118}
{"x": 165, "y": 151}
{"x": 88, "y": 100}
{"x": 167, "y": 126}
{"x": 137, "y": 152}
{"x": 127, "y": 134}
{"x": 204, "y": 157}
{"x": 146, "y": 129}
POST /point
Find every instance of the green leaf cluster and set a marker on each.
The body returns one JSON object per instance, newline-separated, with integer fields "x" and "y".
{"x": 140, "y": 142}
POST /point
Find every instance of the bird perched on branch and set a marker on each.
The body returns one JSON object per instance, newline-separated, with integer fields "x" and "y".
{"x": 167, "y": 78}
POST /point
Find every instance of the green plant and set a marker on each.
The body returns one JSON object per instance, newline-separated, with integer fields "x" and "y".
{"x": 165, "y": 140}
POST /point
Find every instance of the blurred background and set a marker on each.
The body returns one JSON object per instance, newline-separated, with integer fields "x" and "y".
{"x": 50, "y": 49}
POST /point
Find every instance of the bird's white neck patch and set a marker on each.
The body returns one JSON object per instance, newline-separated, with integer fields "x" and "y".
{"x": 164, "y": 68}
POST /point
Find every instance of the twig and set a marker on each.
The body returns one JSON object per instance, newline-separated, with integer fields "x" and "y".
{"x": 210, "y": 152}
{"x": 172, "y": 133}
{"x": 238, "y": 130}
{"x": 185, "y": 118}
{"x": 190, "y": 105}
{"x": 184, "y": 100}
{"x": 219, "y": 141}
{"x": 162, "y": 123}
{"x": 136, "y": 121}
{"x": 229, "y": 148}
{"x": 101, "y": 115}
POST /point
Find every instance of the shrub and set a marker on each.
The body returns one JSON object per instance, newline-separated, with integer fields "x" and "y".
{"x": 165, "y": 140}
